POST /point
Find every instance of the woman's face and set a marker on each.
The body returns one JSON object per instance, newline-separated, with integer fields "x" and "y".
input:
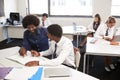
{"x": 96, "y": 19}
{"x": 110, "y": 25}
{"x": 31, "y": 28}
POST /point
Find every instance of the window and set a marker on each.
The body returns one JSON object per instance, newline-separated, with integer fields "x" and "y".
{"x": 61, "y": 7}
{"x": 115, "y": 8}
{"x": 71, "y": 7}
{"x": 2, "y": 8}
{"x": 38, "y": 6}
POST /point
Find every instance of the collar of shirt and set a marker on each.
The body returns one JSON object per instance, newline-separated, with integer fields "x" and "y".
{"x": 60, "y": 42}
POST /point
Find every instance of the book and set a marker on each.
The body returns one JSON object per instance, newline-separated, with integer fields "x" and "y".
{"x": 23, "y": 60}
{"x": 114, "y": 43}
{"x": 25, "y": 73}
{"x": 4, "y": 71}
{"x": 93, "y": 41}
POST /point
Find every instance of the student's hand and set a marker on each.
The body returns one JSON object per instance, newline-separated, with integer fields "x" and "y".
{"x": 22, "y": 51}
{"x": 107, "y": 38}
{"x": 32, "y": 63}
{"x": 35, "y": 53}
{"x": 75, "y": 49}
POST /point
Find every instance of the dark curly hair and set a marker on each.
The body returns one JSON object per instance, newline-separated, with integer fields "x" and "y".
{"x": 55, "y": 30}
{"x": 30, "y": 19}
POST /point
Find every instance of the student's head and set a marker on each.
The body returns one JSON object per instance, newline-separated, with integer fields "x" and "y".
{"x": 111, "y": 22}
{"x": 44, "y": 16}
{"x": 31, "y": 22}
{"x": 97, "y": 18}
{"x": 54, "y": 31}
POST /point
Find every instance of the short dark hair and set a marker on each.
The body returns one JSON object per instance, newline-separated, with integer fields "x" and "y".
{"x": 55, "y": 30}
{"x": 45, "y": 14}
{"x": 30, "y": 19}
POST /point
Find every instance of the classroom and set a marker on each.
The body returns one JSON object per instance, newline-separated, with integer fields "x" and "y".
{"x": 46, "y": 32}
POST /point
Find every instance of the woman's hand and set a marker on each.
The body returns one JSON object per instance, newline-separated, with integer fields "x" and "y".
{"x": 22, "y": 51}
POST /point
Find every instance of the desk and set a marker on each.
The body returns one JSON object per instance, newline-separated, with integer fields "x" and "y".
{"x": 13, "y": 31}
{"x": 76, "y": 75}
{"x": 101, "y": 48}
{"x": 1, "y": 33}
{"x": 80, "y": 30}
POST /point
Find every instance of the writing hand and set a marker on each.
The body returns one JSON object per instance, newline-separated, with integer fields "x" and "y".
{"x": 22, "y": 51}
{"x": 35, "y": 53}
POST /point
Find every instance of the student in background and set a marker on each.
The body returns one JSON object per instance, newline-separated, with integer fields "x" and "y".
{"x": 106, "y": 31}
{"x": 61, "y": 49}
{"x": 92, "y": 28}
{"x": 44, "y": 20}
{"x": 34, "y": 38}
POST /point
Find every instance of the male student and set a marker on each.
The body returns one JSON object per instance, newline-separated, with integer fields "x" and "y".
{"x": 34, "y": 38}
{"x": 61, "y": 49}
{"x": 45, "y": 22}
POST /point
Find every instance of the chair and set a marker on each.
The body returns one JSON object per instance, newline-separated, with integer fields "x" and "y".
{"x": 77, "y": 59}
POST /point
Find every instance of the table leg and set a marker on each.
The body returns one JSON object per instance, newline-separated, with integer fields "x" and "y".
{"x": 87, "y": 64}
{"x": 77, "y": 40}
{"x": 84, "y": 64}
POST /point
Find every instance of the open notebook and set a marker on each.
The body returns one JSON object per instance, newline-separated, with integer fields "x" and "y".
{"x": 23, "y": 60}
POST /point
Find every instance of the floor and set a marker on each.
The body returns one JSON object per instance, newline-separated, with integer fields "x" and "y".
{"x": 97, "y": 70}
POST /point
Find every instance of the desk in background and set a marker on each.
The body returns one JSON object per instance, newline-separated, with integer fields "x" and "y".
{"x": 100, "y": 47}
{"x": 69, "y": 31}
{"x": 76, "y": 75}
{"x": 13, "y": 31}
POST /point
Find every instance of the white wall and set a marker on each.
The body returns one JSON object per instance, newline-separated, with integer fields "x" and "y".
{"x": 103, "y": 7}
{"x": 10, "y": 6}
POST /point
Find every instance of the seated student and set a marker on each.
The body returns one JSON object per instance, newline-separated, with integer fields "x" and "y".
{"x": 45, "y": 22}
{"x": 34, "y": 38}
{"x": 92, "y": 28}
{"x": 61, "y": 49}
{"x": 106, "y": 31}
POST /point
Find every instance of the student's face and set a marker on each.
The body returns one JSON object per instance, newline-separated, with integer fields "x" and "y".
{"x": 110, "y": 25}
{"x": 31, "y": 28}
{"x": 44, "y": 18}
{"x": 96, "y": 19}
{"x": 50, "y": 36}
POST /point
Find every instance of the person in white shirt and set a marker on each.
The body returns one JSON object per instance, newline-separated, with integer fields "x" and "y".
{"x": 106, "y": 31}
{"x": 92, "y": 28}
{"x": 45, "y": 22}
{"x": 62, "y": 54}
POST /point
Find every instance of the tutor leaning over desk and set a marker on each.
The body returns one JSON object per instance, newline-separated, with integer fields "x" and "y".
{"x": 61, "y": 49}
{"x": 34, "y": 38}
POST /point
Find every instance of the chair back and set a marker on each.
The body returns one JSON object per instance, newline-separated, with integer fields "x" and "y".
{"x": 77, "y": 58}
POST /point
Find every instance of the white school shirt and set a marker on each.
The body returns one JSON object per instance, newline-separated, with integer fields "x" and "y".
{"x": 90, "y": 26}
{"x": 46, "y": 23}
{"x": 102, "y": 30}
{"x": 64, "y": 52}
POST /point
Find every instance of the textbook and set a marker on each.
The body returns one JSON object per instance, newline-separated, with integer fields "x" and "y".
{"x": 21, "y": 59}
{"x": 25, "y": 73}
{"x": 93, "y": 41}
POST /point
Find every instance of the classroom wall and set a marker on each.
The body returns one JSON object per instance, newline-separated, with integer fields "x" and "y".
{"x": 103, "y": 7}
{"x": 10, "y": 6}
